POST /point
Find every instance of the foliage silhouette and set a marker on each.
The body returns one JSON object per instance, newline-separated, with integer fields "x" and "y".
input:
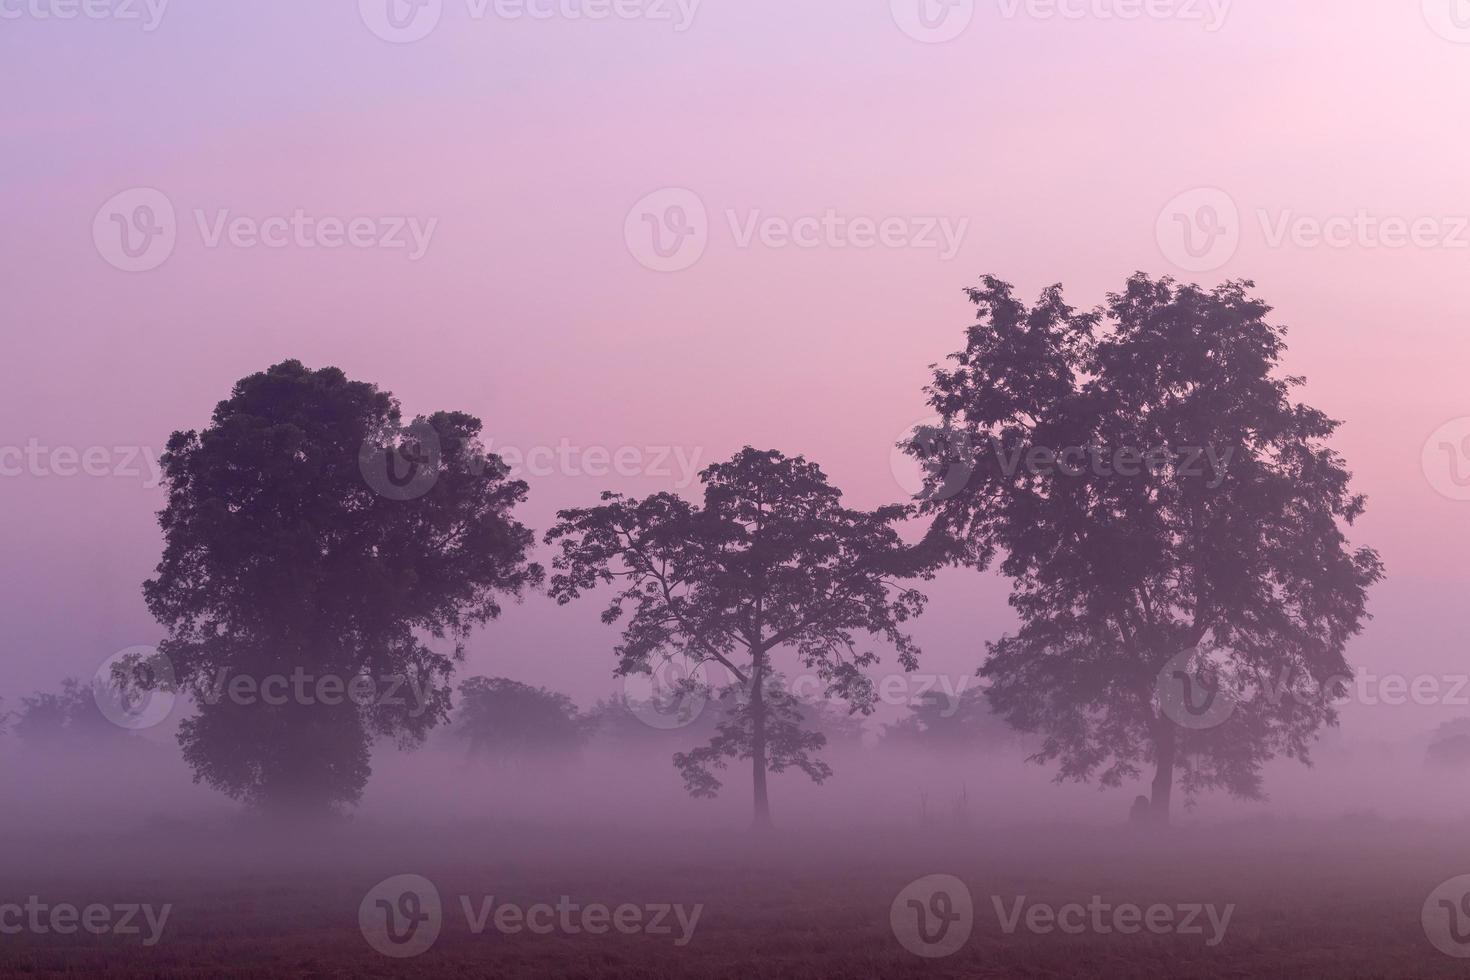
{"x": 511, "y": 723}
{"x": 771, "y": 561}
{"x": 1067, "y": 444}
{"x": 283, "y": 557}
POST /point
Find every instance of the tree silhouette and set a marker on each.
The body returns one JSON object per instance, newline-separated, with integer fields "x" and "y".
{"x": 510, "y": 722}
{"x": 939, "y": 719}
{"x": 307, "y": 534}
{"x": 1162, "y": 506}
{"x": 70, "y": 714}
{"x": 772, "y": 561}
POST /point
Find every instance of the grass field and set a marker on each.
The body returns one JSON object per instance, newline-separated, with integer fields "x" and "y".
{"x": 1339, "y": 899}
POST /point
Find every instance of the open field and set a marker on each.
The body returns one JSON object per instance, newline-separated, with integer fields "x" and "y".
{"x": 1338, "y": 899}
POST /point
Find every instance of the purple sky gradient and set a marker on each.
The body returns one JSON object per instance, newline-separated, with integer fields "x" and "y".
{"x": 1060, "y": 140}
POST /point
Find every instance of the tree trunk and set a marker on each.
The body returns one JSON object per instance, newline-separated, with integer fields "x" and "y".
{"x": 1163, "y": 772}
{"x": 762, "y": 820}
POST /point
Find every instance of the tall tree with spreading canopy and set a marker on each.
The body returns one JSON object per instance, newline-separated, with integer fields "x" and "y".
{"x": 308, "y": 533}
{"x": 1165, "y": 511}
{"x": 771, "y": 562}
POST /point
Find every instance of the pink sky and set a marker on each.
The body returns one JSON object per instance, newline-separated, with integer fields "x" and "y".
{"x": 1059, "y": 139}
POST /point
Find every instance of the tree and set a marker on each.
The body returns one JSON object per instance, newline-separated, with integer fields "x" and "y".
{"x": 1162, "y": 505}
{"x": 69, "y": 714}
{"x": 771, "y": 562}
{"x": 775, "y": 718}
{"x": 311, "y": 539}
{"x": 954, "y": 721}
{"x": 1451, "y": 752}
{"x": 513, "y": 722}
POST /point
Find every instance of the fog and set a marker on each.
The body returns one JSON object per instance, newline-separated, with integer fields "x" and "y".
{"x": 93, "y": 795}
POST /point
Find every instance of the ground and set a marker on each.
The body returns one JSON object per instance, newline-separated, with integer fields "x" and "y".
{"x": 1331, "y": 899}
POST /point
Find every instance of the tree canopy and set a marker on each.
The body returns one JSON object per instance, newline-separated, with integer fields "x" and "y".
{"x": 771, "y": 560}
{"x": 1153, "y": 492}
{"x": 309, "y": 533}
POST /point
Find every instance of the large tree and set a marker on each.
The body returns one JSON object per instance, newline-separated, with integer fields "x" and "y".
{"x": 771, "y": 562}
{"x": 309, "y": 534}
{"x": 1162, "y": 506}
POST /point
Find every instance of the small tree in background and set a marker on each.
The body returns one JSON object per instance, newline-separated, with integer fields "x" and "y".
{"x": 1159, "y": 500}
{"x": 511, "y": 723}
{"x": 952, "y": 721}
{"x": 770, "y": 562}
{"x": 70, "y": 714}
